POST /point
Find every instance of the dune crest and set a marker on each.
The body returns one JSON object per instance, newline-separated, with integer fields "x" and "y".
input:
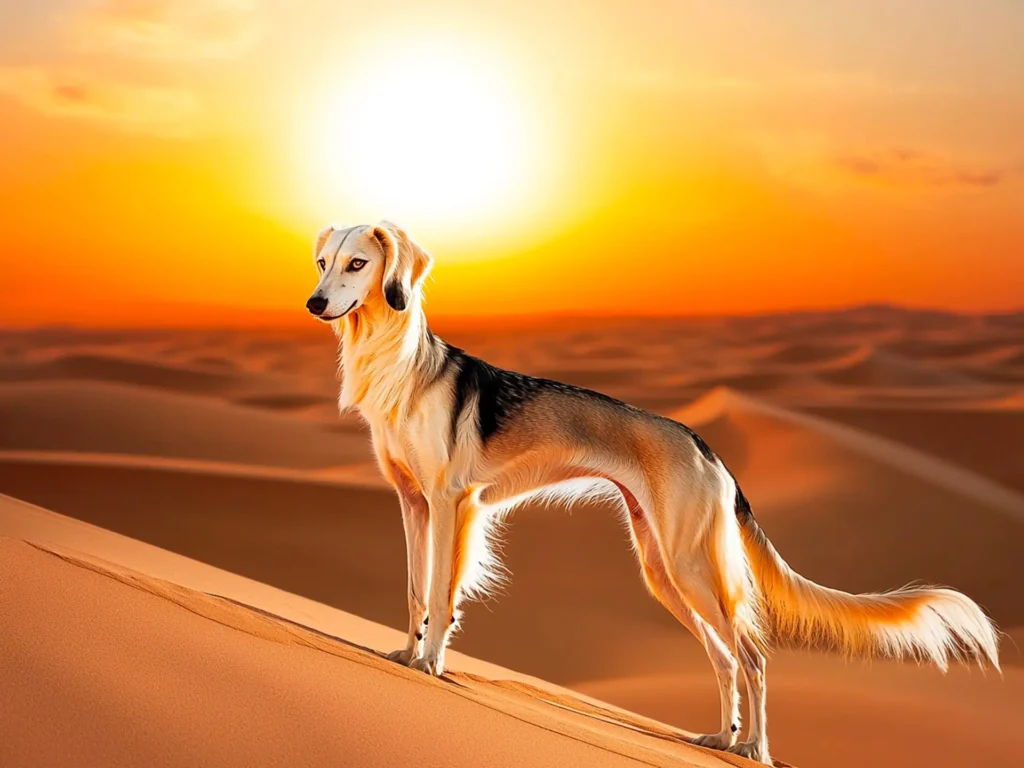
{"x": 723, "y": 400}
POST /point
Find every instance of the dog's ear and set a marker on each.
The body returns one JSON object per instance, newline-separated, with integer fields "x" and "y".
{"x": 321, "y": 240}
{"x": 406, "y": 264}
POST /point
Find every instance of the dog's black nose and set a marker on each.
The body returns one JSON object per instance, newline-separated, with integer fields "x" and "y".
{"x": 316, "y": 305}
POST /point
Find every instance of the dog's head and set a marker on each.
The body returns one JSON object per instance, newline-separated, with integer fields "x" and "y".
{"x": 366, "y": 266}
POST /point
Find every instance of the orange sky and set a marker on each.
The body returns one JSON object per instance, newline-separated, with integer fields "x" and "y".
{"x": 169, "y": 162}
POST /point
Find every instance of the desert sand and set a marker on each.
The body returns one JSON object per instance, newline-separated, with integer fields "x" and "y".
{"x": 106, "y": 665}
{"x": 877, "y": 446}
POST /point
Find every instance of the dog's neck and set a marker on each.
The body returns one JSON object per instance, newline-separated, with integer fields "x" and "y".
{"x": 383, "y": 356}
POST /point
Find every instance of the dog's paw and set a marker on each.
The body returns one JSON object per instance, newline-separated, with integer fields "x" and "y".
{"x": 430, "y": 666}
{"x": 403, "y": 656}
{"x": 722, "y": 740}
{"x": 751, "y": 750}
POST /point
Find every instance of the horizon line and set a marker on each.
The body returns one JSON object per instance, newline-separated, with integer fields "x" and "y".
{"x": 287, "y": 320}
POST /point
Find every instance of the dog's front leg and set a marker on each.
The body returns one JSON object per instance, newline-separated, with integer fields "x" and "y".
{"x": 443, "y": 511}
{"x": 416, "y": 520}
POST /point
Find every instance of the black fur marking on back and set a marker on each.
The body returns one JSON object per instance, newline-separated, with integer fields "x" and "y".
{"x": 703, "y": 447}
{"x": 500, "y": 393}
{"x": 743, "y": 511}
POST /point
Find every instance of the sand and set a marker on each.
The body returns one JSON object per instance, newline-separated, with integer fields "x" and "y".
{"x": 104, "y": 665}
{"x": 877, "y": 447}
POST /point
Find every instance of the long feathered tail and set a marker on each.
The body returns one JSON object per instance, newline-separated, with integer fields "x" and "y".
{"x": 923, "y": 623}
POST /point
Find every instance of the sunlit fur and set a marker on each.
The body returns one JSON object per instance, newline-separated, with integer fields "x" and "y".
{"x": 924, "y": 623}
{"x": 701, "y": 552}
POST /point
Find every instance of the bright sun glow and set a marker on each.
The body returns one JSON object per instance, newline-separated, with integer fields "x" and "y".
{"x": 426, "y": 135}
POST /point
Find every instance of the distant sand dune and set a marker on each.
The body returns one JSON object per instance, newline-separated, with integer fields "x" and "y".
{"x": 972, "y": 439}
{"x": 592, "y": 377}
{"x": 947, "y": 349}
{"x": 121, "y": 370}
{"x": 903, "y": 457}
{"x": 875, "y": 368}
{"x": 285, "y": 402}
{"x": 1014, "y": 401}
{"x": 215, "y": 362}
{"x": 361, "y": 475}
{"x": 116, "y": 418}
{"x": 999, "y": 374}
{"x": 809, "y": 353}
{"x": 744, "y": 382}
{"x": 999, "y": 355}
{"x": 1015, "y": 360}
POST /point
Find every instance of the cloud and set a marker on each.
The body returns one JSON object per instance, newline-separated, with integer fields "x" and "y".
{"x": 822, "y": 163}
{"x": 171, "y": 32}
{"x": 670, "y": 82}
{"x": 914, "y": 169}
{"x": 168, "y": 112}
{"x": 667, "y": 82}
{"x": 168, "y": 30}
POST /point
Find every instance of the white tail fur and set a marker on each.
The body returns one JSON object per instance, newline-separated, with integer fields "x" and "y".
{"x": 924, "y": 623}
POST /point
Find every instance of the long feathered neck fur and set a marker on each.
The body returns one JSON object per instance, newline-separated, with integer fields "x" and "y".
{"x": 385, "y": 356}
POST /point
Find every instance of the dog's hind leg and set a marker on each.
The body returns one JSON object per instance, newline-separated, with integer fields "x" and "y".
{"x": 710, "y": 572}
{"x": 753, "y": 663}
{"x": 475, "y": 569}
{"x": 722, "y": 624}
{"x": 416, "y": 521}
{"x": 661, "y": 587}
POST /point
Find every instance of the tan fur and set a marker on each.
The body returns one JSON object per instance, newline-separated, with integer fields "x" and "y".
{"x": 469, "y": 516}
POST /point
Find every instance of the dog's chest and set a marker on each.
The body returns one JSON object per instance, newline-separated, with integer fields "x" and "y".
{"x": 418, "y": 443}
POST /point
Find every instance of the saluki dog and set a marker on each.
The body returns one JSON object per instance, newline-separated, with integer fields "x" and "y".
{"x": 462, "y": 442}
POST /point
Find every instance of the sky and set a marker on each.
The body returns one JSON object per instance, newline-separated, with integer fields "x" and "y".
{"x": 169, "y": 162}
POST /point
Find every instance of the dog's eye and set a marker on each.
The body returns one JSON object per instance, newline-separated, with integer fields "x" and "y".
{"x": 321, "y": 263}
{"x": 356, "y": 264}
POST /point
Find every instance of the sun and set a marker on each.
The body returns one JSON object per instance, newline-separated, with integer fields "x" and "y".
{"x": 429, "y": 134}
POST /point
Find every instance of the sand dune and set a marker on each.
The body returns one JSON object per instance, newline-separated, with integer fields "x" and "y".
{"x": 818, "y": 353}
{"x": 974, "y": 439}
{"x": 216, "y": 685}
{"x": 877, "y": 446}
{"x": 826, "y": 505}
{"x": 745, "y": 382}
{"x": 116, "y": 418}
{"x": 876, "y": 368}
{"x": 892, "y": 715}
{"x": 124, "y": 371}
{"x": 194, "y": 679}
{"x": 312, "y": 539}
{"x": 101, "y": 547}
{"x": 1014, "y": 360}
{"x": 999, "y": 374}
{"x": 950, "y": 348}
